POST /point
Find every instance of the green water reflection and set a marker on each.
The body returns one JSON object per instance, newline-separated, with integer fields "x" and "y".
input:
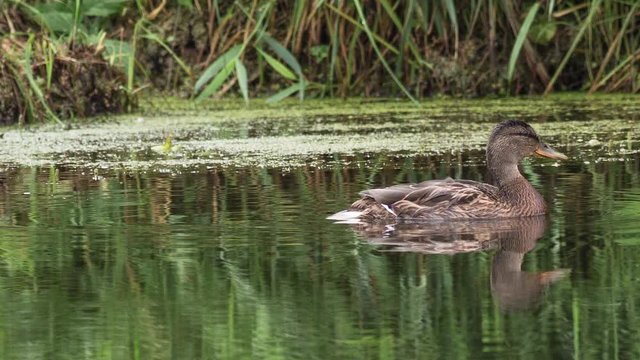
{"x": 240, "y": 263}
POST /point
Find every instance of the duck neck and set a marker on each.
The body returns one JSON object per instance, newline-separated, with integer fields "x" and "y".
{"x": 513, "y": 187}
{"x": 503, "y": 173}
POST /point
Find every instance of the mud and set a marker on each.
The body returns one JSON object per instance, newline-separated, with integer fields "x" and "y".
{"x": 80, "y": 83}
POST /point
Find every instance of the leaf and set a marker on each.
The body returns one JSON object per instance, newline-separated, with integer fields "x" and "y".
{"x": 451, "y": 10}
{"x": 33, "y": 82}
{"x": 186, "y": 3}
{"x": 319, "y": 52}
{"x": 522, "y": 36}
{"x": 283, "y": 53}
{"x": 277, "y": 65}
{"x": 586, "y": 24}
{"x": 217, "y": 81}
{"x": 542, "y": 32}
{"x": 386, "y": 66}
{"x": 612, "y": 49}
{"x": 56, "y": 19}
{"x": 102, "y": 8}
{"x": 392, "y": 15}
{"x": 286, "y": 93}
{"x": 241, "y": 74}
{"x": 220, "y": 63}
{"x": 302, "y": 85}
{"x": 288, "y": 58}
{"x": 58, "y": 22}
{"x": 154, "y": 37}
{"x": 167, "y": 146}
{"x": 117, "y": 52}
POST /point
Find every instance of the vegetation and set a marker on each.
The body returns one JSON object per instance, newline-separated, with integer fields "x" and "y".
{"x": 337, "y": 48}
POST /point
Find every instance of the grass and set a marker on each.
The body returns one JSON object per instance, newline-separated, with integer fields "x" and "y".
{"x": 276, "y": 49}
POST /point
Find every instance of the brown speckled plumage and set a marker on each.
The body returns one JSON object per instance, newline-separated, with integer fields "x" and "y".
{"x": 512, "y": 195}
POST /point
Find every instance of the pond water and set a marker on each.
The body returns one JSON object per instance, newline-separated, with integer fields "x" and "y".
{"x": 218, "y": 246}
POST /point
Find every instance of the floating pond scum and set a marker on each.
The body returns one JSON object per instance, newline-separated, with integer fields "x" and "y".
{"x": 228, "y": 134}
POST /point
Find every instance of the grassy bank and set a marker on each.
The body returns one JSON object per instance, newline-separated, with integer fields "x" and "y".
{"x": 210, "y": 48}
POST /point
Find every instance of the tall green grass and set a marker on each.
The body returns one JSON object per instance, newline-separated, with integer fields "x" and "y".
{"x": 414, "y": 48}
{"x": 469, "y": 47}
{"x": 417, "y": 47}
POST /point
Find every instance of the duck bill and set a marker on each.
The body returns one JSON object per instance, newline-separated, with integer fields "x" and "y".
{"x": 549, "y": 152}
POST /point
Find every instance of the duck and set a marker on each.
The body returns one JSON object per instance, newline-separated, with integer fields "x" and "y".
{"x": 509, "y": 195}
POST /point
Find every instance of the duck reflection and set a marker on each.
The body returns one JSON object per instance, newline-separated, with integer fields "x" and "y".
{"x": 512, "y": 288}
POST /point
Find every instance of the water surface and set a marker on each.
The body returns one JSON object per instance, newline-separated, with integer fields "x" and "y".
{"x": 219, "y": 248}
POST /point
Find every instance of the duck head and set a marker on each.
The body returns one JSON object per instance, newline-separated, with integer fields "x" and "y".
{"x": 509, "y": 143}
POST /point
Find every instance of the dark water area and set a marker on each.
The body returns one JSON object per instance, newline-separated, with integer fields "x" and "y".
{"x": 115, "y": 245}
{"x": 236, "y": 263}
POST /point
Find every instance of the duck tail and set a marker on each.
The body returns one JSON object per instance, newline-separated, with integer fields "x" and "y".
{"x": 346, "y": 217}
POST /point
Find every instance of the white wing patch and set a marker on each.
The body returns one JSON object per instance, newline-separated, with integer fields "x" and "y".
{"x": 345, "y": 215}
{"x": 386, "y": 207}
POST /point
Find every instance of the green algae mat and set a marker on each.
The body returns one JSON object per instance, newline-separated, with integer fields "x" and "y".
{"x": 174, "y": 134}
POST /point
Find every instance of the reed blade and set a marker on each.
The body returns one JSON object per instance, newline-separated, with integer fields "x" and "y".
{"x": 522, "y": 36}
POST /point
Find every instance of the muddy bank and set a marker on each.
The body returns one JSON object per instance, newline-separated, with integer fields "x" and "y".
{"x": 65, "y": 82}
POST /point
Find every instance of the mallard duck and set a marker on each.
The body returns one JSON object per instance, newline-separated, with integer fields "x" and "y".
{"x": 510, "y": 196}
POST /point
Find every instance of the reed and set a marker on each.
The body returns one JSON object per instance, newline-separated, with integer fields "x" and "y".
{"x": 439, "y": 47}
{"x": 416, "y": 48}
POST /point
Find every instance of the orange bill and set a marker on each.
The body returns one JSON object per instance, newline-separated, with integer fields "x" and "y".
{"x": 549, "y": 152}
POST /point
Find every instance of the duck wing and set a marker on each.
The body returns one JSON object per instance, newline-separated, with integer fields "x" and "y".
{"x": 432, "y": 192}
{"x": 389, "y": 195}
{"x": 433, "y": 199}
{"x": 451, "y": 193}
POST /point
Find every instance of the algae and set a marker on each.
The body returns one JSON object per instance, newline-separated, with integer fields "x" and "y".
{"x": 226, "y": 133}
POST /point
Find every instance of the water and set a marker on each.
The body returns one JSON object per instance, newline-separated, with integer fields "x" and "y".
{"x": 232, "y": 261}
